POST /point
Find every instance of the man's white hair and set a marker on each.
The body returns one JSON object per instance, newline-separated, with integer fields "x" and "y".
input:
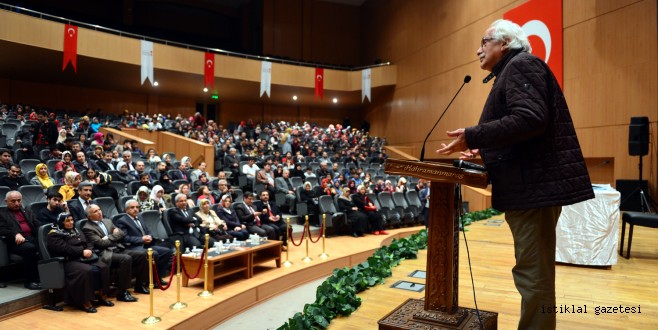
{"x": 512, "y": 33}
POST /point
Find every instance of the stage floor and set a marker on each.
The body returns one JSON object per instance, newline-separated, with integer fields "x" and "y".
{"x": 629, "y": 283}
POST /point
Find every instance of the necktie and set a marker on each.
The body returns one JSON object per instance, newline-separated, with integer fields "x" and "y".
{"x": 269, "y": 211}
{"x": 185, "y": 213}
{"x": 139, "y": 225}
{"x": 103, "y": 228}
{"x": 86, "y": 205}
{"x": 256, "y": 218}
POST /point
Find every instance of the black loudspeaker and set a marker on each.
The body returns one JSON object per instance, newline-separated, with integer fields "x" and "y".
{"x": 638, "y": 136}
{"x": 630, "y": 194}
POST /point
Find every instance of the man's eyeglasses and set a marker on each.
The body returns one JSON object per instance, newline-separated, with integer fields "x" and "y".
{"x": 485, "y": 40}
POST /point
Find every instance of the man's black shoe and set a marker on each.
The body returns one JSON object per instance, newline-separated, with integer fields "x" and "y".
{"x": 102, "y": 302}
{"x": 142, "y": 289}
{"x": 126, "y": 296}
{"x": 33, "y": 286}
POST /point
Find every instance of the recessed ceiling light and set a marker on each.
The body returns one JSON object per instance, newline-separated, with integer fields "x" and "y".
{"x": 294, "y": 97}
{"x": 335, "y": 100}
{"x": 155, "y": 83}
{"x": 205, "y": 89}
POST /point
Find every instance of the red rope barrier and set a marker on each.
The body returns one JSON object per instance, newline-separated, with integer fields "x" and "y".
{"x": 310, "y": 237}
{"x": 203, "y": 255}
{"x": 292, "y": 240}
{"x": 157, "y": 276}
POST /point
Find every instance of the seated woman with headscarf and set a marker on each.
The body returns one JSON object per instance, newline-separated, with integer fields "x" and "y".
{"x": 70, "y": 188}
{"x": 205, "y": 193}
{"x": 166, "y": 183}
{"x": 358, "y": 219}
{"x": 144, "y": 199}
{"x": 98, "y": 139}
{"x": 83, "y": 274}
{"x": 123, "y": 174}
{"x": 103, "y": 188}
{"x": 215, "y": 226}
{"x": 42, "y": 179}
{"x": 233, "y": 225}
{"x": 158, "y": 198}
{"x": 67, "y": 159}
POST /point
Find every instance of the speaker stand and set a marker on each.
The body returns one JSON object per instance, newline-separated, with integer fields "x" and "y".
{"x": 644, "y": 203}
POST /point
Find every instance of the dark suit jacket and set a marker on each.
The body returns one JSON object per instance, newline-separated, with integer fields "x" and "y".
{"x": 133, "y": 238}
{"x": 77, "y": 210}
{"x": 9, "y": 226}
{"x": 245, "y": 216}
{"x": 80, "y": 168}
{"x": 104, "y": 167}
{"x": 265, "y": 218}
{"x": 179, "y": 222}
{"x": 94, "y": 235}
{"x": 178, "y": 175}
{"x": 13, "y": 184}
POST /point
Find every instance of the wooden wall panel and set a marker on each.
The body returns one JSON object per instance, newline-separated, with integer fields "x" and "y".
{"x": 610, "y": 70}
{"x": 312, "y": 30}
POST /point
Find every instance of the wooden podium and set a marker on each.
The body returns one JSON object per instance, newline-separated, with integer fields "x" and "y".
{"x": 440, "y": 309}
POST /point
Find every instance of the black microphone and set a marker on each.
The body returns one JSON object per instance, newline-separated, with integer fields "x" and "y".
{"x": 458, "y": 163}
{"x": 422, "y": 150}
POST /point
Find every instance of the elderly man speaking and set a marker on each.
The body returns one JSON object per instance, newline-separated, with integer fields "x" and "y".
{"x": 529, "y": 146}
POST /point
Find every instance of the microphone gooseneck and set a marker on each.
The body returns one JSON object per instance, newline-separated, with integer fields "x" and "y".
{"x": 467, "y": 78}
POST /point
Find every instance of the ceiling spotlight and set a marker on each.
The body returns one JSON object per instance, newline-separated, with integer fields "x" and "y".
{"x": 155, "y": 83}
{"x": 335, "y": 100}
{"x": 205, "y": 89}
{"x": 294, "y": 97}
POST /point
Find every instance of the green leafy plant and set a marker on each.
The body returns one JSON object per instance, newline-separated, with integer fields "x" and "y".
{"x": 337, "y": 295}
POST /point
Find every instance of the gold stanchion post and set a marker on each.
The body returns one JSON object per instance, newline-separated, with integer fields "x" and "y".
{"x": 324, "y": 227}
{"x": 151, "y": 319}
{"x": 288, "y": 263}
{"x": 178, "y": 304}
{"x": 205, "y": 292}
{"x": 307, "y": 259}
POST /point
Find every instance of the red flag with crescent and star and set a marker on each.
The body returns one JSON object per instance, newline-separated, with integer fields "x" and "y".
{"x": 319, "y": 83}
{"x": 70, "y": 46}
{"x": 209, "y": 71}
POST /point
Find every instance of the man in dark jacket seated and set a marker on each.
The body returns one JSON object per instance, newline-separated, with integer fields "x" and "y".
{"x": 20, "y": 228}
{"x": 252, "y": 218}
{"x": 183, "y": 222}
{"x": 138, "y": 237}
{"x": 14, "y": 179}
{"x": 272, "y": 216}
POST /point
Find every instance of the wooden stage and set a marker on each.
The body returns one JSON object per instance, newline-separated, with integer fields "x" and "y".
{"x": 629, "y": 283}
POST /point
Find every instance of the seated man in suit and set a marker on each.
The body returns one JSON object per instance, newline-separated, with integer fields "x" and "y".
{"x": 180, "y": 173}
{"x": 272, "y": 216}
{"x": 138, "y": 237}
{"x": 252, "y": 218}
{"x": 102, "y": 235}
{"x": 183, "y": 222}
{"x": 20, "y": 228}
{"x": 284, "y": 185}
{"x": 78, "y": 206}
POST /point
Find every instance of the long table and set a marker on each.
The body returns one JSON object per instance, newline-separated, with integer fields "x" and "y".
{"x": 239, "y": 261}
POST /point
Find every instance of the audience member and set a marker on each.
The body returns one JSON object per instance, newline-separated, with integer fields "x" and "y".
{"x": 357, "y": 219}
{"x": 251, "y": 218}
{"x": 84, "y": 274}
{"x": 14, "y": 179}
{"x": 104, "y": 236}
{"x": 42, "y": 178}
{"x": 20, "y": 227}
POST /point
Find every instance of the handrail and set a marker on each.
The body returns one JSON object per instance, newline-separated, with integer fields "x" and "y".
{"x": 30, "y": 12}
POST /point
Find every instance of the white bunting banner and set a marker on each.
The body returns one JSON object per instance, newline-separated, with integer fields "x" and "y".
{"x": 365, "y": 85}
{"x": 265, "y": 78}
{"x": 147, "y": 61}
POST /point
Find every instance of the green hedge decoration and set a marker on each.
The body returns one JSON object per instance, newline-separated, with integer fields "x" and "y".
{"x": 337, "y": 295}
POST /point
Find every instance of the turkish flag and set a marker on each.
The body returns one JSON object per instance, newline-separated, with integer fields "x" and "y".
{"x": 70, "y": 46}
{"x": 209, "y": 71}
{"x": 319, "y": 82}
{"x": 541, "y": 20}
